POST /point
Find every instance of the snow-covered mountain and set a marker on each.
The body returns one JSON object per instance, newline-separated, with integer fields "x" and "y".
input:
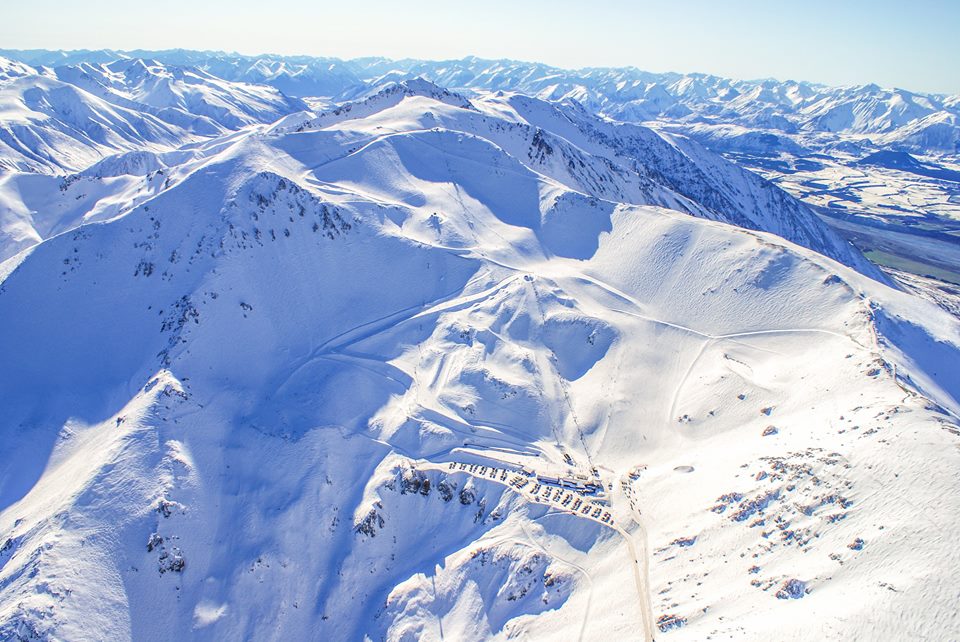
{"x": 68, "y": 117}
{"x": 784, "y": 108}
{"x": 427, "y": 366}
{"x": 801, "y": 111}
{"x": 193, "y": 99}
{"x": 48, "y": 125}
{"x": 301, "y": 76}
{"x": 617, "y": 162}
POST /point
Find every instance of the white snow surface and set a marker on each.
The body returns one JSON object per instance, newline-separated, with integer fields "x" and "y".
{"x": 808, "y": 114}
{"x": 619, "y": 162}
{"x": 235, "y": 376}
{"x": 63, "y": 119}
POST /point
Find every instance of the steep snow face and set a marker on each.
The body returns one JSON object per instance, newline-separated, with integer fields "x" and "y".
{"x": 726, "y": 192}
{"x": 621, "y": 163}
{"x": 13, "y": 69}
{"x": 47, "y": 125}
{"x": 869, "y": 110}
{"x": 34, "y": 207}
{"x": 69, "y": 117}
{"x": 181, "y": 96}
{"x": 289, "y": 393}
{"x": 936, "y": 132}
{"x": 624, "y": 163}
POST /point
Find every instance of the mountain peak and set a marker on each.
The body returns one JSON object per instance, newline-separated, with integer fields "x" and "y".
{"x": 419, "y": 86}
{"x": 424, "y": 367}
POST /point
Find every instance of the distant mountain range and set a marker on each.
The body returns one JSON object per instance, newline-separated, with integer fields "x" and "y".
{"x": 68, "y": 117}
{"x": 765, "y": 115}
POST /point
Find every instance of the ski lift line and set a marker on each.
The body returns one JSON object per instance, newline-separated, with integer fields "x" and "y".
{"x": 562, "y": 383}
{"x": 610, "y": 404}
{"x": 553, "y": 424}
{"x": 686, "y": 375}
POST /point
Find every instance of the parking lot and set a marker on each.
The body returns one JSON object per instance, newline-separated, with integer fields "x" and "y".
{"x": 569, "y": 495}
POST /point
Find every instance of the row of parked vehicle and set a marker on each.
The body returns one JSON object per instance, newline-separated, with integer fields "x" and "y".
{"x": 566, "y": 499}
{"x": 479, "y": 470}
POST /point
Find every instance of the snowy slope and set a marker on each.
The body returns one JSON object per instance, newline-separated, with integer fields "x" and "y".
{"x": 181, "y": 95}
{"x": 300, "y": 76}
{"x": 801, "y": 110}
{"x": 34, "y": 207}
{"x": 624, "y": 163}
{"x": 287, "y": 395}
{"x": 47, "y": 125}
{"x": 69, "y": 117}
{"x": 726, "y": 192}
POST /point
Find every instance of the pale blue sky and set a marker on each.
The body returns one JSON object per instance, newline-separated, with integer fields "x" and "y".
{"x": 891, "y": 42}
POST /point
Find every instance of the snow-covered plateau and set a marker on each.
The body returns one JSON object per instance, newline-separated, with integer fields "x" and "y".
{"x": 431, "y": 365}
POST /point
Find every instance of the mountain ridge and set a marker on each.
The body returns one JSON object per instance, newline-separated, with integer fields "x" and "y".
{"x": 626, "y": 93}
{"x": 425, "y": 365}
{"x": 252, "y": 417}
{"x": 627, "y": 163}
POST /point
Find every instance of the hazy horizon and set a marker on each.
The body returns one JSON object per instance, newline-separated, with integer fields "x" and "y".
{"x": 269, "y": 54}
{"x": 854, "y": 43}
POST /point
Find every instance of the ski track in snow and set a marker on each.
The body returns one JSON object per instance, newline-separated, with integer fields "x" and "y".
{"x": 514, "y": 297}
